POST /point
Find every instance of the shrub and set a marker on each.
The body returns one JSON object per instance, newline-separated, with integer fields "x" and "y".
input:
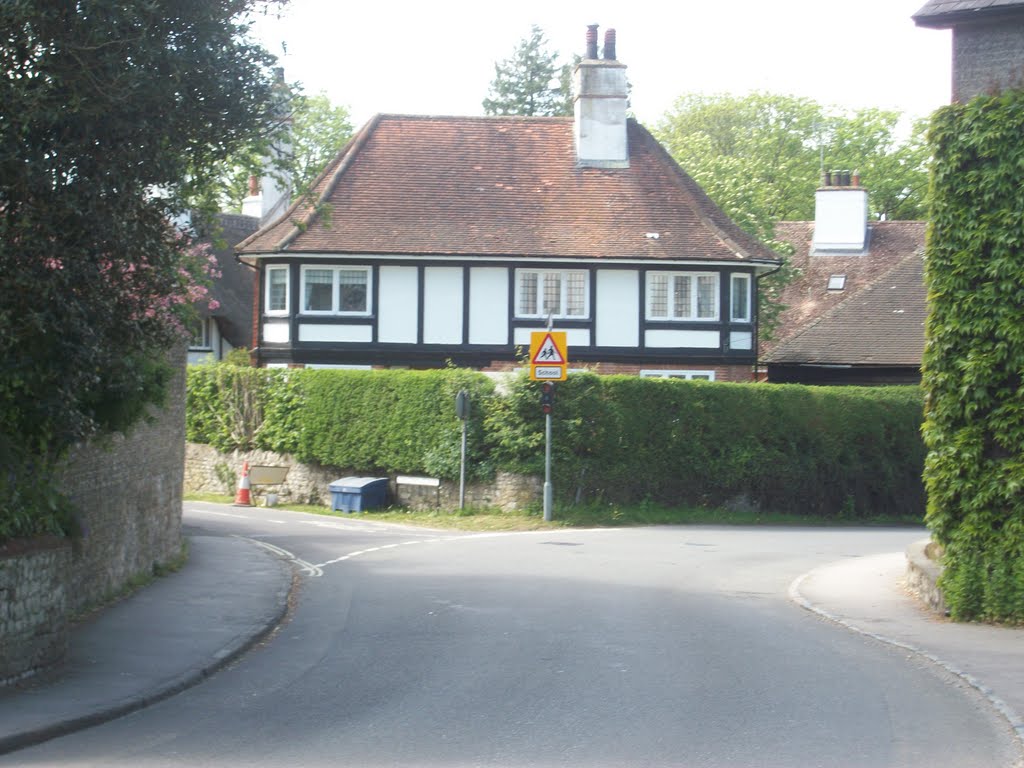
{"x": 822, "y": 452}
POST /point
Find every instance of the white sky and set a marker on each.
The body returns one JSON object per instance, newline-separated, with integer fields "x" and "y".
{"x": 438, "y": 57}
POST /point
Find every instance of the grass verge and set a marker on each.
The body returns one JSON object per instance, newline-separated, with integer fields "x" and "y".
{"x": 578, "y": 516}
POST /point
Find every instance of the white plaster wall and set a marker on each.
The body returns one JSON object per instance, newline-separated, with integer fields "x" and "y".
{"x": 618, "y": 308}
{"x": 488, "y": 305}
{"x": 574, "y": 337}
{"x": 399, "y": 305}
{"x": 276, "y": 332}
{"x": 672, "y": 338}
{"x": 442, "y": 305}
{"x": 340, "y": 333}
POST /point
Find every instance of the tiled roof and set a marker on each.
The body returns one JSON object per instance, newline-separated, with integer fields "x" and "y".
{"x": 878, "y": 319}
{"x": 503, "y": 186}
{"x": 943, "y": 13}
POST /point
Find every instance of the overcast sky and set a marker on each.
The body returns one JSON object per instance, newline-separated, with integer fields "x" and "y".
{"x": 438, "y": 57}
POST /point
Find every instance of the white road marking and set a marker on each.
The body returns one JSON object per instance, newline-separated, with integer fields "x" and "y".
{"x": 306, "y": 567}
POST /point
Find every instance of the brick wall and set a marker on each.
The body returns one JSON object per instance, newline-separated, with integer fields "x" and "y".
{"x": 987, "y": 58}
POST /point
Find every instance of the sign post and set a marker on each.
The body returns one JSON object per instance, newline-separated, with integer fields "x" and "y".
{"x": 549, "y": 359}
{"x": 462, "y": 411}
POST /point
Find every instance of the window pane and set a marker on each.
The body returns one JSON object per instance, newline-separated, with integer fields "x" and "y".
{"x": 707, "y": 286}
{"x": 527, "y": 293}
{"x": 740, "y": 297}
{"x": 681, "y": 298}
{"x": 318, "y": 289}
{"x": 552, "y": 293}
{"x": 352, "y": 290}
{"x": 658, "y": 295}
{"x": 576, "y": 294}
{"x": 277, "y": 300}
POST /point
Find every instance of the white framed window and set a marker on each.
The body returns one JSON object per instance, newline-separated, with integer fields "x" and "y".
{"x": 682, "y": 295}
{"x": 688, "y": 375}
{"x": 335, "y": 290}
{"x": 739, "y": 298}
{"x": 561, "y": 294}
{"x": 276, "y": 299}
{"x": 199, "y": 330}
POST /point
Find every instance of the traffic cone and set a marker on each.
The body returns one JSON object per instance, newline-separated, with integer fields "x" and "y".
{"x": 242, "y": 498}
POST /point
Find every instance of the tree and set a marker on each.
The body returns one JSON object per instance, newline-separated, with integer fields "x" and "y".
{"x": 313, "y": 129}
{"x": 529, "y": 83}
{"x": 112, "y": 109}
{"x": 760, "y": 156}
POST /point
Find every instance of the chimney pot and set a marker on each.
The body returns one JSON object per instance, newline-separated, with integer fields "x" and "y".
{"x": 609, "y": 44}
{"x": 591, "y": 41}
{"x": 254, "y": 186}
{"x": 827, "y": 180}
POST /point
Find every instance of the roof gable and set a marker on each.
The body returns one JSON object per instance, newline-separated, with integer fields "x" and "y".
{"x": 505, "y": 187}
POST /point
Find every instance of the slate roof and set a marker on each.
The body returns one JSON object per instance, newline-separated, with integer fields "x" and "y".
{"x": 877, "y": 319}
{"x": 234, "y": 288}
{"x": 507, "y": 187}
{"x": 946, "y": 13}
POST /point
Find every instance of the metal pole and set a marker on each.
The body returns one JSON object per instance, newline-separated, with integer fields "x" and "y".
{"x": 547, "y": 468}
{"x": 462, "y": 470}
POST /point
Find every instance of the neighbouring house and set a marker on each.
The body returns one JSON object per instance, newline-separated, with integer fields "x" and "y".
{"x": 228, "y": 326}
{"x": 988, "y": 42}
{"x": 447, "y": 240}
{"x": 855, "y": 313}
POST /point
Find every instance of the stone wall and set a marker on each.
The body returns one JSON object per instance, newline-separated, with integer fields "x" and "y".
{"x": 207, "y": 470}
{"x": 127, "y": 491}
{"x": 33, "y": 608}
{"x": 987, "y": 58}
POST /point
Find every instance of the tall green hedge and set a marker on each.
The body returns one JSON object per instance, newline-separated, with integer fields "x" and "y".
{"x": 973, "y": 372}
{"x": 822, "y": 452}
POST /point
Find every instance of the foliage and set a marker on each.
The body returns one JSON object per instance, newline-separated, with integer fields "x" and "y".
{"x": 759, "y": 156}
{"x": 973, "y": 369}
{"x": 294, "y": 149}
{"x": 108, "y": 107}
{"x": 530, "y": 83}
{"x": 826, "y": 453}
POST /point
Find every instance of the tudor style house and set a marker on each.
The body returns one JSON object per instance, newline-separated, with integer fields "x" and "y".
{"x": 855, "y": 313}
{"x": 437, "y": 240}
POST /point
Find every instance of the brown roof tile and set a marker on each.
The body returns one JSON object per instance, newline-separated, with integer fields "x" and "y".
{"x": 507, "y": 186}
{"x": 877, "y": 320}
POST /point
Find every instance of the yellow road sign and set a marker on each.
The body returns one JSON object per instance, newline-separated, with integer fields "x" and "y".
{"x": 549, "y": 356}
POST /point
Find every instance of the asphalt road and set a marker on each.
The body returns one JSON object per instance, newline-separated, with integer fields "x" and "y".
{"x": 642, "y": 647}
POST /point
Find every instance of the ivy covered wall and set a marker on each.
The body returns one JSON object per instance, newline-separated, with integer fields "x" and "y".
{"x": 973, "y": 370}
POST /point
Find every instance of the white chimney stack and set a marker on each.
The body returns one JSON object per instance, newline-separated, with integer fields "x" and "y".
{"x": 841, "y": 215}
{"x": 601, "y": 97}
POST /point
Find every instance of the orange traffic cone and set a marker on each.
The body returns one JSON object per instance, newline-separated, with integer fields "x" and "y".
{"x": 242, "y": 498}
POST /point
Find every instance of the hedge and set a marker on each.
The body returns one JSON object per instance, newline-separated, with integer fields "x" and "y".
{"x": 973, "y": 369}
{"x": 825, "y": 452}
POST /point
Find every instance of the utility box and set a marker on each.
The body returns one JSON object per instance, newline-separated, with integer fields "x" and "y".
{"x": 358, "y": 494}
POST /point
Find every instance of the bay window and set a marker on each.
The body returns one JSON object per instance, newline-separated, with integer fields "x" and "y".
{"x": 682, "y": 296}
{"x": 335, "y": 290}
{"x": 561, "y": 294}
{"x": 739, "y": 298}
{"x": 277, "y": 290}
